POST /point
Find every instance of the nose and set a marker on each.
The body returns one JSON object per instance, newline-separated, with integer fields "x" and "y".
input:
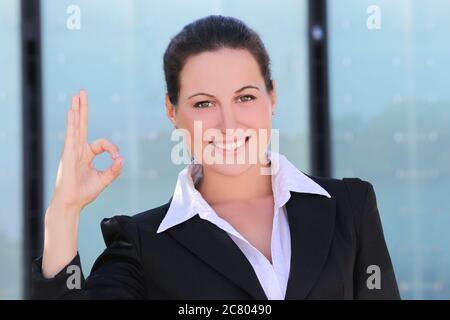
{"x": 228, "y": 119}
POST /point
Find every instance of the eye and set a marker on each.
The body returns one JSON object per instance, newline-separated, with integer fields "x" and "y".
{"x": 247, "y": 98}
{"x": 202, "y": 104}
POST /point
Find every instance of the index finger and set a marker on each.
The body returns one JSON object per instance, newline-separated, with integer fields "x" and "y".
{"x": 83, "y": 116}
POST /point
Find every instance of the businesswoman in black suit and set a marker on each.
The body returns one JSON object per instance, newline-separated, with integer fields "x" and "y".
{"x": 228, "y": 231}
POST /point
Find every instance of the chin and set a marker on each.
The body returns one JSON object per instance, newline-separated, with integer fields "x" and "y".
{"x": 229, "y": 169}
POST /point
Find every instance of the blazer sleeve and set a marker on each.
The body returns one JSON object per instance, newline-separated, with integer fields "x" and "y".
{"x": 116, "y": 274}
{"x": 374, "y": 276}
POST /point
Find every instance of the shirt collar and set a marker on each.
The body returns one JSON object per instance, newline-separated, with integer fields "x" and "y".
{"x": 187, "y": 200}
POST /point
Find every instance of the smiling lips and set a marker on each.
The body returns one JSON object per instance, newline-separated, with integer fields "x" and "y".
{"x": 230, "y": 146}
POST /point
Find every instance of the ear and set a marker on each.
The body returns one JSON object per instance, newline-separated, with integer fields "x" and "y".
{"x": 273, "y": 96}
{"x": 171, "y": 111}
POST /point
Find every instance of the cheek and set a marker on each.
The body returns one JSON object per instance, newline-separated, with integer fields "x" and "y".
{"x": 258, "y": 112}
{"x": 195, "y": 123}
{"x": 259, "y": 118}
{"x": 185, "y": 121}
{"x": 261, "y": 121}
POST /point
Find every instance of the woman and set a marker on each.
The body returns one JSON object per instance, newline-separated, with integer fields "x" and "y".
{"x": 229, "y": 231}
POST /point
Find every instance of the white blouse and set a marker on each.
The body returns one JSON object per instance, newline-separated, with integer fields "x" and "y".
{"x": 187, "y": 202}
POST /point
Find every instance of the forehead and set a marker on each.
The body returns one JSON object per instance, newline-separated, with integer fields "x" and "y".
{"x": 225, "y": 69}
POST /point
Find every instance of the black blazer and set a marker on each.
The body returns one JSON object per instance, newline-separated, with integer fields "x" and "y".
{"x": 333, "y": 242}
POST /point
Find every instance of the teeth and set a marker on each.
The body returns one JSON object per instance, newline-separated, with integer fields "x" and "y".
{"x": 230, "y": 146}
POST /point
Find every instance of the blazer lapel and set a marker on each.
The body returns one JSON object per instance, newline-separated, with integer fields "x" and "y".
{"x": 215, "y": 247}
{"x": 311, "y": 222}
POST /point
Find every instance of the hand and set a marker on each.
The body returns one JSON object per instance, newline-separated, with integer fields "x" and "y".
{"x": 78, "y": 182}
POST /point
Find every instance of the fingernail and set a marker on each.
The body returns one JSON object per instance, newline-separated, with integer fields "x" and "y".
{"x": 116, "y": 155}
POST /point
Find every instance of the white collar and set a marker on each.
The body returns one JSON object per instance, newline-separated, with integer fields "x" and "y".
{"x": 187, "y": 201}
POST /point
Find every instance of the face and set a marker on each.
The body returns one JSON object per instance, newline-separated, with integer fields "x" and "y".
{"x": 225, "y": 110}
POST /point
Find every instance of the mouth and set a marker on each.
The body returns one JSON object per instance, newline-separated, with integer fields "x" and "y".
{"x": 230, "y": 146}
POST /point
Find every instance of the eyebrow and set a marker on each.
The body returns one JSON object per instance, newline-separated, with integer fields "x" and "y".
{"x": 237, "y": 91}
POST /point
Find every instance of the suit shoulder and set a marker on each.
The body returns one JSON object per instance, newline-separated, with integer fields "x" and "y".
{"x": 128, "y": 224}
{"x": 333, "y": 186}
{"x": 151, "y": 218}
{"x": 356, "y": 187}
{"x": 351, "y": 192}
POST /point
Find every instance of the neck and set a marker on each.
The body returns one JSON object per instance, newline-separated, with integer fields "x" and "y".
{"x": 217, "y": 188}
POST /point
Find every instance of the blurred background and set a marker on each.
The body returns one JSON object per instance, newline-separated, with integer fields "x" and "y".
{"x": 363, "y": 91}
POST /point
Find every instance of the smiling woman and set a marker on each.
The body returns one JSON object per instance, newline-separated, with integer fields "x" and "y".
{"x": 228, "y": 231}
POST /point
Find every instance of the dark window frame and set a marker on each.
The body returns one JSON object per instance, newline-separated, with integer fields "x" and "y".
{"x": 32, "y": 138}
{"x": 320, "y": 133}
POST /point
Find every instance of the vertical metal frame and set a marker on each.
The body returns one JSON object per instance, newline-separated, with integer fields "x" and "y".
{"x": 320, "y": 135}
{"x": 32, "y": 138}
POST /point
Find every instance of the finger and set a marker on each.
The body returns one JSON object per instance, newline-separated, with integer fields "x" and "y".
{"x": 70, "y": 129}
{"x": 83, "y": 116}
{"x": 101, "y": 145}
{"x": 76, "y": 111}
{"x": 112, "y": 172}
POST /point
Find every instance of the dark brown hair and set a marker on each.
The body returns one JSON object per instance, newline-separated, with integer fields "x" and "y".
{"x": 209, "y": 34}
